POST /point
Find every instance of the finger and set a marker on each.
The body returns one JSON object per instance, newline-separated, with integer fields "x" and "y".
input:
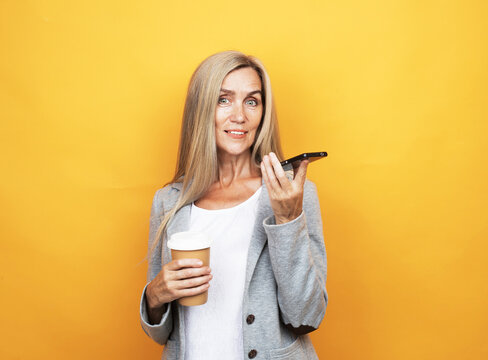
{"x": 279, "y": 172}
{"x": 263, "y": 173}
{"x": 193, "y": 282}
{"x": 301, "y": 174}
{"x": 193, "y": 291}
{"x": 265, "y": 177}
{"x": 190, "y": 273}
{"x": 273, "y": 182}
{"x": 184, "y": 263}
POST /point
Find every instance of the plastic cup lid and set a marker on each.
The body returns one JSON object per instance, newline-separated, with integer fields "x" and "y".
{"x": 189, "y": 240}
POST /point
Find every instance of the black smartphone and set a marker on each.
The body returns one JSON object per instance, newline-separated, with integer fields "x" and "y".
{"x": 294, "y": 162}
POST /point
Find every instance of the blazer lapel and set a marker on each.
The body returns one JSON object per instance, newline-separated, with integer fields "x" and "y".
{"x": 258, "y": 239}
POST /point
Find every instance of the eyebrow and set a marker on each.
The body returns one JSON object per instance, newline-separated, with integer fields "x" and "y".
{"x": 233, "y": 92}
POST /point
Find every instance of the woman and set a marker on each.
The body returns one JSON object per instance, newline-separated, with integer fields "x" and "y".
{"x": 267, "y": 283}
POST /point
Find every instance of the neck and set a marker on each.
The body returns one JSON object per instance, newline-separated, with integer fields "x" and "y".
{"x": 235, "y": 167}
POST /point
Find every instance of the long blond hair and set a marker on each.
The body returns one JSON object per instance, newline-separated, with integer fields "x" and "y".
{"x": 197, "y": 167}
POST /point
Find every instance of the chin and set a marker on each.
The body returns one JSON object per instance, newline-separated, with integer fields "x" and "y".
{"x": 234, "y": 151}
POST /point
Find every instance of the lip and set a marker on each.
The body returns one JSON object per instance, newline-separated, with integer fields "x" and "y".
{"x": 236, "y": 136}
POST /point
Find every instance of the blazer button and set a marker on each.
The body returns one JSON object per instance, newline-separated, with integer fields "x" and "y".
{"x": 252, "y": 354}
{"x": 250, "y": 319}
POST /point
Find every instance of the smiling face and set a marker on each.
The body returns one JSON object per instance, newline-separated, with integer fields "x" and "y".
{"x": 238, "y": 112}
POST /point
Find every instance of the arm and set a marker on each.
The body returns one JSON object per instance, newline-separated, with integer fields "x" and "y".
{"x": 296, "y": 246}
{"x": 159, "y": 330}
{"x": 299, "y": 263}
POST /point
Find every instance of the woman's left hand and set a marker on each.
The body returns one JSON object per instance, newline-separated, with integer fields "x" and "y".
{"x": 286, "y": 196}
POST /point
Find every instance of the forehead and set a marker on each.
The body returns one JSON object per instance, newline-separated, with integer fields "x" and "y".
{"x": 244, "y": 78}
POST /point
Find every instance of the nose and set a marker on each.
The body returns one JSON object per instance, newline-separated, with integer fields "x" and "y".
{"x": 238, "y": 114}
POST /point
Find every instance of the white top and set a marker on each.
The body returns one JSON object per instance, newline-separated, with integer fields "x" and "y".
{"x": 214, "y": 330}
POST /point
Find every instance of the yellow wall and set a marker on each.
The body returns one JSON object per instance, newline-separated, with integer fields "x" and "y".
{"x": 91, "y": 96}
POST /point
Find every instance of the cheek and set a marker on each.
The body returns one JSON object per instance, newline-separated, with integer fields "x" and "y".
{"x": 254, "y": 131}
{"x": 219, "y": 117}
{"x": 256, "y": 119}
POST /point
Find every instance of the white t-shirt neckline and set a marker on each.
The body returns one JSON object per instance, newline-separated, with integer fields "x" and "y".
{"x": 251, "y": 198}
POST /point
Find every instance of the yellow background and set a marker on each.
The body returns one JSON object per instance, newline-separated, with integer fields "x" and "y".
{"x": 91, "y": 97}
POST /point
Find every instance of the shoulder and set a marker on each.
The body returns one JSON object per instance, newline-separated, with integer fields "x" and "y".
{"x": 167, "y": 195}
{"x": 169, "y": 191}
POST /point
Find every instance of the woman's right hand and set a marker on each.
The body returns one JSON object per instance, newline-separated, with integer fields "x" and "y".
{"x": 177, "y": 279}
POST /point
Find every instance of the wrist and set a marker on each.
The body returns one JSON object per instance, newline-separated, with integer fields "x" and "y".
{"x": 284, "y": 219}
{"x": 155, "y": 314}
{"x": 151, "y": 300}
{"x": 281, "y": 219}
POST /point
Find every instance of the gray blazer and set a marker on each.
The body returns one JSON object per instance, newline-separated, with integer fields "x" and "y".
{"x": 284, "y": 294}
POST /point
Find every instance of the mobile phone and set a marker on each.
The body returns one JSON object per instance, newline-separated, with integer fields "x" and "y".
{"x": 294, "y": 162}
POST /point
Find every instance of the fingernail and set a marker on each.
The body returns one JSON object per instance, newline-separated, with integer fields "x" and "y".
{"x": 199, "y": 263}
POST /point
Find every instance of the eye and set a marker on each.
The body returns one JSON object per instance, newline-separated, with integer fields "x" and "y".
{"x": 252, "y": 102}
{"x": 223, "y": 100}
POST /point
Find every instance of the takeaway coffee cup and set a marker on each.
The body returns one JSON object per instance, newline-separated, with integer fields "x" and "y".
{"x": 191, "y": 245}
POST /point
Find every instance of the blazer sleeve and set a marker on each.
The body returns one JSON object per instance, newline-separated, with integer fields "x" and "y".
{"x": 158, "y": 332}
{"x": 299, "y": 263}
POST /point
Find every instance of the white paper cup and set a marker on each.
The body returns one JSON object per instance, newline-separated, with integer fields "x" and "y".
{"x": 191, "y": 245}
